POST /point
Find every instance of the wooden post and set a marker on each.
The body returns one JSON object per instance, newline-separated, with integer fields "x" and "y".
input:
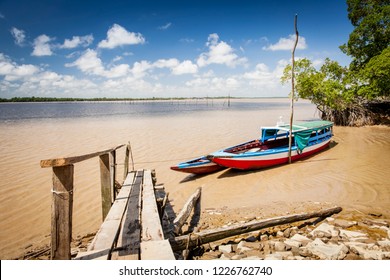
{"x": 126, "y": 163}
{"x": 113, "y": 174}
{"x": 292, "y": 89}
{"x": 105, "y": 181}
{"x": 62, "y": 208}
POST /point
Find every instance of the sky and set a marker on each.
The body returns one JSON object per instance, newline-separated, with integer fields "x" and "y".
{"x": 170, "y": 48}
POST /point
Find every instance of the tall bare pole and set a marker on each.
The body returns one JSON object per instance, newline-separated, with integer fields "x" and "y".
{"x": 292, "y": 88}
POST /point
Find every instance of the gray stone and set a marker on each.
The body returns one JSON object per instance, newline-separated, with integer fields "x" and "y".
{"x": 287, "y": 232}
{"x": 301, "y": 238}
{"x": 276, "y": 257}
{"x": 324, "y": 230}
{"x": 384, "y": 244}
{"x": 263, "y": 237}
{"x": 279, "y": 234}
{"x": 225, "y": 248}
{"x": 344, "y": 223}
{"x": 366, "y": 251}
{"x": 241, "y": 247}
{"x": 279, "y": 246}
{"x": 327, "y": 251}
{"x": 352, "y": 235}
{"x": 293, "y": 243}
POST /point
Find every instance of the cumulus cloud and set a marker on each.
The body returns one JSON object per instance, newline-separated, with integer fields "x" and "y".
{"x": 176, "y": 67}
{"x": 42, "y": 46}
{"x": 286, "y": 44}
{"x": 77, "y": 41}
{"x": 118, "y": 36}
{"x": 90, "y": 63}
{"x": 219, "y": 53}
{"x": 19, "y": 36}
{"x": 12, "y": 71}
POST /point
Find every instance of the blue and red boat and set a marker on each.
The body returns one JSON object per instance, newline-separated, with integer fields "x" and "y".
{"x": 272, "y": 148}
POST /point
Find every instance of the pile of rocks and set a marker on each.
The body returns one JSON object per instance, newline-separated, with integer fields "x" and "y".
{"x": 332, "y": 239}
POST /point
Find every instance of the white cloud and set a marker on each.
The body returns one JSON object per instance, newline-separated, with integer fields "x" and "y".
{"x": 42, "y": 46}
{"x": 90, "y": 63}
{"x": 219, "y": 53}
{"x": 119, "y": 36}
{"x": 77, "y": 41}
{"x": 185, "y": 67}
{"x": 166, "y": 26}
{"x": 11, "y": 71}
{"x": 287, "y": 44}
{"x": 19, "y": 36}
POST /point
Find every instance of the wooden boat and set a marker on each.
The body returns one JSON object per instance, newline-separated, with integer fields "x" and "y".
{"x": 272, "y": 148}
{"x": 200, "y": 165}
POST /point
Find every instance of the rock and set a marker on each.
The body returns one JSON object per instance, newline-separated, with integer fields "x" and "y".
{"x": 300, "y": 238}
{"x": 327, "y": 251}
{"x": 211, "y": 255}
{"x": 225, "y": 248}
{"x": 251, "y": 239}
{"x": 293, "y": 243}
{"x": 352, "y": 235}
{"x": 241, "y": 247}
{"x": 276, "y": 257}
{"x": 384, "y": 244}
{"x": 237, "y": 257}
{"x": 324, "y": 230}
{"x": 287, "y": 232}
{"x": 344, "y": 223}
{"x": 279, "y": 246}
{"x": 366, "y": 251}
{"x": 263, "y": 237}
{"x": 280, "y": 234}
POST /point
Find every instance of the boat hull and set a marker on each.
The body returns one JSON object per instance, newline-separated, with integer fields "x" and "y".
{"x": 200, "y": 165}
{"x": 258, "y": 161}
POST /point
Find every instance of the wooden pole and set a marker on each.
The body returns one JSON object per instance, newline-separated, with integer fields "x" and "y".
{"x": 105, "y": 182}
{"x": 126, "y": 163}
{"x": 62, "y": 208}
{"x": 113, "y": 175}
{"x": 193, "y": 240}
{"x": 292, "y": 89}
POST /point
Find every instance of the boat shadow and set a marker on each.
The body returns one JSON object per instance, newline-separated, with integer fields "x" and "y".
{"x": 236, "y": 172}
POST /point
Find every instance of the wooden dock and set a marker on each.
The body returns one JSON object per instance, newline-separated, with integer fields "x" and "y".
{"x": 131, "y": 227}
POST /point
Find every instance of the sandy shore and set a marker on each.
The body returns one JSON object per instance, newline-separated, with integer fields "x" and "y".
{"x": 351, "y": 174}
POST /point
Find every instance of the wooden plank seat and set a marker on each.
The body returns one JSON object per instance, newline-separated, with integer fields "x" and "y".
{"x": 132, "y": 226}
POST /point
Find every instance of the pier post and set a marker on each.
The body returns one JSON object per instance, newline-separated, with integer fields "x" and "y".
{"x": 62, "y": 208}
{"x": 113, "y": 175}
{"x": 105, "y": 180}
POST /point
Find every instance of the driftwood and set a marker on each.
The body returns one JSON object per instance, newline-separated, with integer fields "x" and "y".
{"x": 192, "y": 240}
{"x": 186, "y": 211}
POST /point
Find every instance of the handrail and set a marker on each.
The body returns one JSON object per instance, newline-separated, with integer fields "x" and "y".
{"x": 62, "y": 190}
{"x": 71, "y": 160}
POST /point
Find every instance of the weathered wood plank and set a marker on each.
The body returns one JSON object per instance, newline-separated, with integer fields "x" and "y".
{"x": 62, "y": 208}
{"x": 157, "y": 250}
{"x": 72, "y": 160}
{"x": 182, "y": 217}
{"x": 192, "y": 240}
{"x": 107, "y": 235}
{"x": 128, "y": 244}
{"x": 113, "y": 174}
{"x": 151, "y": 226}
{"x": 105, "y": 181}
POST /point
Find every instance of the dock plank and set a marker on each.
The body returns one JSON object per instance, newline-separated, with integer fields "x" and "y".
{"x": 157, "y": 250}
{"x": 128, "y": 245}
{"x": 106, "y": 236}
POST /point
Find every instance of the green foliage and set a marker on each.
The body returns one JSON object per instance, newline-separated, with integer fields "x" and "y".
{"x": 371, "y": 35}
{"x": 325, "y": 87}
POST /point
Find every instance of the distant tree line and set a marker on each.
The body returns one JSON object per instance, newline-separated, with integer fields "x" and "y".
{"x": 97, "y": 99}
{"x": 359, "y": 94}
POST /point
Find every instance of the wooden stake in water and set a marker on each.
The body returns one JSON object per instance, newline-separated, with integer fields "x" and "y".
{"x": 292, "y": 89}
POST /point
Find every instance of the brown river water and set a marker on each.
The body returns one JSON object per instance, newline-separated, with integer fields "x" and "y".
{"x": 352, "y": 173}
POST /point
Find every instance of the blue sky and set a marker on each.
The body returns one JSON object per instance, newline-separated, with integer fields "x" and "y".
{"x": 171, "y": 48}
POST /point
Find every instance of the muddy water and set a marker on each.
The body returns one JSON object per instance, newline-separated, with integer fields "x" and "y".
{"x": 353, "y": 173}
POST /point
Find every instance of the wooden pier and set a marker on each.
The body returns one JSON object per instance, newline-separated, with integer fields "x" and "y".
{"x": 131, "y": 227}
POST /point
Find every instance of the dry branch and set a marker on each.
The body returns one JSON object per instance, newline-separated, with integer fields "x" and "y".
{"x": 192, "y": 240}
